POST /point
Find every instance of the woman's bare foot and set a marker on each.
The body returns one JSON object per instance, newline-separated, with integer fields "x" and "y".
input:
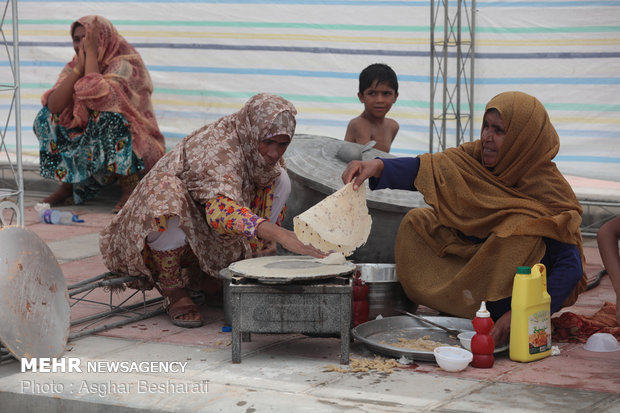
{"x": 62, "y": 196}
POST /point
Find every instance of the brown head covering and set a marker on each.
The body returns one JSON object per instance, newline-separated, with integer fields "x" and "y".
{"x": 523, "y": 198}
{"x": 123, "y": 85}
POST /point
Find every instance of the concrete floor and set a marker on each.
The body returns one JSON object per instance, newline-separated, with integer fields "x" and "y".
{"x": 284, "y": 372}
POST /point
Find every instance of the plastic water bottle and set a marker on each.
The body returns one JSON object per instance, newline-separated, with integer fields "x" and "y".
{"x": 54, "y": 216}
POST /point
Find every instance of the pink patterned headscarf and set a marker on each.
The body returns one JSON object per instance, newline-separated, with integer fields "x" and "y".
{"x": 123, "y": 85}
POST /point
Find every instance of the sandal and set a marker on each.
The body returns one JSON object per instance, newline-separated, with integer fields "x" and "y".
{"x": 180, "y": 303}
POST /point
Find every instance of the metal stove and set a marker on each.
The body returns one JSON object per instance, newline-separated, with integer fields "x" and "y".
{"x": 311, "y": 306}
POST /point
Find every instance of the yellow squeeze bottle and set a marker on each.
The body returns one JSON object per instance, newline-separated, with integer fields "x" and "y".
{"x": 530, "y": 320}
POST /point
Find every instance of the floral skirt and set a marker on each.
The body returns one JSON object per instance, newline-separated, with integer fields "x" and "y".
{"x": 88, "y": 158}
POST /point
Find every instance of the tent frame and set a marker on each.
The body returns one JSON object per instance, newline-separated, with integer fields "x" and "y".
{"x": 451, "y": 87}
{"x": 16, "y": 186}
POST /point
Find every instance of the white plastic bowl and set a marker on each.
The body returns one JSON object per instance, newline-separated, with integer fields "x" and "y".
{"x": 452, "y": 358}
{"x": 602, "y": 342}
{"x": 465, "y": 339}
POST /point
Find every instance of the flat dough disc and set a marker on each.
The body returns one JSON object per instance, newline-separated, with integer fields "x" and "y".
{"x": 288, "y": 268}
{"x": 339, "y": 223}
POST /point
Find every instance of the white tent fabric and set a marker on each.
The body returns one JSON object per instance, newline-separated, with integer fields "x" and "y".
{"x": 207, "y": 57}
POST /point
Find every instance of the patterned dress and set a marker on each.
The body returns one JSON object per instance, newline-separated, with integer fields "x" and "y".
{"x": 88, "y": 158}
{"x": 216, "y": 182}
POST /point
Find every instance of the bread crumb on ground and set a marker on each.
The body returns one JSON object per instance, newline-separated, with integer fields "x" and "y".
{"x": 378, "y": 364}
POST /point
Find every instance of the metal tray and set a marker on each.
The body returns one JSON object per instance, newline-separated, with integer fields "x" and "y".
{"x": 390, "y": 329}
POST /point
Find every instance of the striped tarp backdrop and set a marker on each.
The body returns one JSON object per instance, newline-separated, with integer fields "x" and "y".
{"x": 207, "y": 57}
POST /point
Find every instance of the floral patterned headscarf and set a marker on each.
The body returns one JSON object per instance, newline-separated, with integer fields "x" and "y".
{"x": 223, "y": 158}
{"x": 262, "y": 117}
{"x": 111, "y": 43}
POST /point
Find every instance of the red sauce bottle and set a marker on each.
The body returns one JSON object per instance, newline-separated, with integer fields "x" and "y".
{"x": 482, "y": 344}
{"x": 361, "y": 307}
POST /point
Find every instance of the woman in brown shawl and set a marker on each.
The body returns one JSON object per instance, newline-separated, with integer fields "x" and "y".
{"x": 97, "y": 123}
{"x": 496, "y": 203}
{"x": 216, "y": 198}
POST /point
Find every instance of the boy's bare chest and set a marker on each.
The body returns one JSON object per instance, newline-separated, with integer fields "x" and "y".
{"x": 383, "y": 136}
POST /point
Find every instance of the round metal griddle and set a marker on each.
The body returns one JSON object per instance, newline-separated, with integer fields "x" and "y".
{"x": 34, "y": 304}
{"x": 289, "y": 268}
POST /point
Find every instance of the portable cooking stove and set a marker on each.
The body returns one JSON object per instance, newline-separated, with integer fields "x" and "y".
{"x": 289, "y": 294}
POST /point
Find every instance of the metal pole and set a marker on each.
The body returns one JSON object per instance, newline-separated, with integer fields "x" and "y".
{"x": 432, "y": 76}
{"x": 459, "y": 74}
{"x": 18, "y": 118}
{"x": 472, "y": 56}
{"x": 445, "y": 75}
{"x": 463, "y": 86}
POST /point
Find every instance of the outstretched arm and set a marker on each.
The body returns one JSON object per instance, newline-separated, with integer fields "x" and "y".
{"x": 607, "y": 239}
{"x": 289, "y": 241}
{"x": 226, "y": 216}
{"x": 393, "y": 173}
{"x": 359, "y": 171}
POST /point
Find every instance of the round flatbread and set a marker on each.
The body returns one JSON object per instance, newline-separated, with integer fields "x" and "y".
{"x": 333, "y": 258}
{"x": 339, "y": 223}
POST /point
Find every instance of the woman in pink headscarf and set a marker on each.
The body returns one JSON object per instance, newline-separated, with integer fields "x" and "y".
{"x": 97, "y": 124}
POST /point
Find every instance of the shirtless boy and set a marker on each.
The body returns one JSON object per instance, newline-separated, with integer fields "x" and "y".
{"x": 378, "y": 90}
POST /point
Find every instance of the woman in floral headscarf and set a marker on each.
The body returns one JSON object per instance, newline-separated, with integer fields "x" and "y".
{"x": 215, "y": 198}
{"x": 496, "y": 203}
{"x": 97, "y": 124}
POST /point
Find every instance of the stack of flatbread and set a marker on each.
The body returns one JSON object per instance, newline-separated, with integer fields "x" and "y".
{"x": 339, "y": 223}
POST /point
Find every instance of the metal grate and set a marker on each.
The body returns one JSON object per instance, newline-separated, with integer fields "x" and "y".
{"x": 595, "y": 214}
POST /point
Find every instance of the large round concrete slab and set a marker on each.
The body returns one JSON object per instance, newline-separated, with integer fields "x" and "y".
{"x": 315, "y": 171}
{"x": 34, "y": 304}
